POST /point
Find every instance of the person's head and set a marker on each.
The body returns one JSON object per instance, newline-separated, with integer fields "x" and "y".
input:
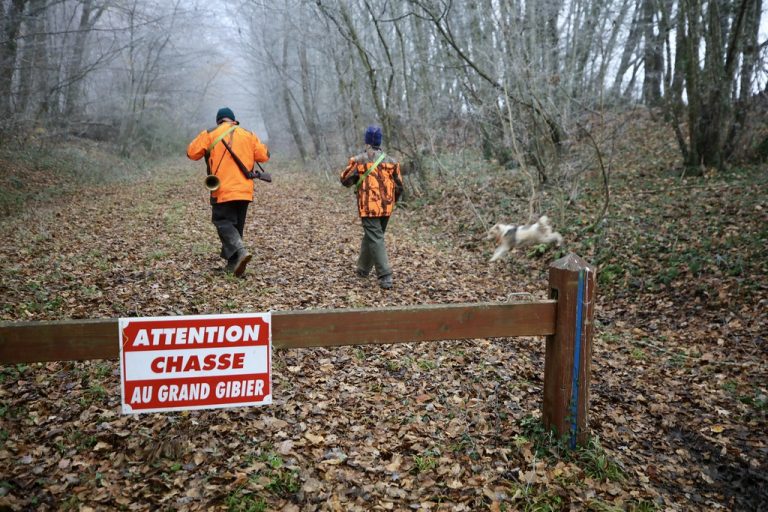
{"x": 373, "y": 136}
{"x": 224, "y": 114}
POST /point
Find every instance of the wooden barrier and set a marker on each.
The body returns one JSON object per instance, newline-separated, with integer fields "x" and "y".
{"x": 565, "y": 319}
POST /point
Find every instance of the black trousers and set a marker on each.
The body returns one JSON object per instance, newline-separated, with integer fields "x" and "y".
{"x": 229, "y": 219}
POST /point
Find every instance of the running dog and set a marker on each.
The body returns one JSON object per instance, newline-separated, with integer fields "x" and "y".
{"x": 508, "y": 236}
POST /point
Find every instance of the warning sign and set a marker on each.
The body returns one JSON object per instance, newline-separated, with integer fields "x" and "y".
{"x": 195, "y": 362}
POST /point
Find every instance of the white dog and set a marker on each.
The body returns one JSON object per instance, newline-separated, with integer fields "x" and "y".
{"x": 508, "y": 236}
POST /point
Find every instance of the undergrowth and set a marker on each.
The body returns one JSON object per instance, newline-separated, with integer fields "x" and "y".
{"x": 40, "y": 171}
{"x": 680, "y": 228}
{"x": 590, "y": 456}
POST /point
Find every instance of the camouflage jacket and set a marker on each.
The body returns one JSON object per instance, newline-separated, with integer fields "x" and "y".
{"x": 377, "y": 194}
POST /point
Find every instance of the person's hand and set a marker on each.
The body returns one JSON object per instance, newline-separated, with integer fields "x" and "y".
{"x": 351, "y": 179}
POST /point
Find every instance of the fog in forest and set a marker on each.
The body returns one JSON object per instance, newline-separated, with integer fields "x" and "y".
{"x": 518, "y": 81}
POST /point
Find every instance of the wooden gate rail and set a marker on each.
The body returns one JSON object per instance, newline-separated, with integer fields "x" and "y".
{"x": 98, "y": 339}
{"x": 566, "y": 320}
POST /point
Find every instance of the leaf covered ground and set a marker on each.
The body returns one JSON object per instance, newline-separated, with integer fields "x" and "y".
{"x": 680, "y": 373}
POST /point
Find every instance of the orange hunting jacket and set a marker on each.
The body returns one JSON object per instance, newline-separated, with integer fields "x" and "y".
{"x": 377, "y": 194}
{"x": 248, "y": 148}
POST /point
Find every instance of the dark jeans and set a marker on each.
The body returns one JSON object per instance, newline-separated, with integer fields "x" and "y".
{"x": 229, "y": 219}
{"x": 372, "y": 250}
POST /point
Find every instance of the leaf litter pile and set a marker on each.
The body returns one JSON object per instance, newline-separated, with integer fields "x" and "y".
{"x": 679, "y": 376}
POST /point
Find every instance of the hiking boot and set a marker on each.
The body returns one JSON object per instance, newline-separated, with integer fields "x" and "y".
{"x": 229, "y": 268}
{"x": 241, "y": 262}
{"x": 362, "y": 273}
{"x": 385, "y": 282}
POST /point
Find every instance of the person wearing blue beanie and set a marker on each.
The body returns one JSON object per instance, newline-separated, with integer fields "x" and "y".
{"x": 378, "y": 184}
{"x": 373, "y": 136}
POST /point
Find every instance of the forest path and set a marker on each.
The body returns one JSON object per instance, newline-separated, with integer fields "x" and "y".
{"x": 352, "y": 428}
{"x": 150, "y": 249}
{"x": 402, "y": 417}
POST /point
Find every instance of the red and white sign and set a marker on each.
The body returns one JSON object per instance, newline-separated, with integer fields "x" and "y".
{"x": 195, "y": 362}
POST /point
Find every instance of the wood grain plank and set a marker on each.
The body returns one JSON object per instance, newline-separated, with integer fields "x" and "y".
{"x": 68, "y": 340}
{"x": 414, "y": 323}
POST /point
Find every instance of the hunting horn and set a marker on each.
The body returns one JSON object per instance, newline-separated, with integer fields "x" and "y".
{"x": 212, "y": 182}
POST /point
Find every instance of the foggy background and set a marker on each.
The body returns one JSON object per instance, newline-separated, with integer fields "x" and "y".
{"x": 517, "y": 81}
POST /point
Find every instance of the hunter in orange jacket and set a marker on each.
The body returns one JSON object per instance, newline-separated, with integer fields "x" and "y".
{"x": 229, "y": 203}
{"x": 377, "y": 193}
{"x": 378, "y": 184}
{"x": 248, "y": 148}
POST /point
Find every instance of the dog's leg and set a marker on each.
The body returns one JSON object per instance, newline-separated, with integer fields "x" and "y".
{"x": 498, "y": 253}
{"x": 554, "y": 236}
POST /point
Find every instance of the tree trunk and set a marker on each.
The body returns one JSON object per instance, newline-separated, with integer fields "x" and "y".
{"x": 292, "y": 124}
{"x": 749, "y": 62}
{"x": 653, "y": 61}
{"x": 310, "y": 109}
{"x": 11, "y": 25}
{"x": 32, "y": 79}
{"x": 630, "y": 45}
{"x": 674, "y": 100}
{"x": 74, "y": 67}
{"x": 615, "y": 30}
{"x": 709, "y": 91}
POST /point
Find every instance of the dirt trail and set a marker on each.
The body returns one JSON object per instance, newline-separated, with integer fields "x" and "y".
{"x": 152, "y": 250}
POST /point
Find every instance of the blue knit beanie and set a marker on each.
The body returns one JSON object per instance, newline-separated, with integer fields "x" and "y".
{"x": 224, "y": 112}
{"x": 373, "y": 136}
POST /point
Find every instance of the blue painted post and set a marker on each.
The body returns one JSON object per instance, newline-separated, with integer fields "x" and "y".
{"x": 568, "y": 358}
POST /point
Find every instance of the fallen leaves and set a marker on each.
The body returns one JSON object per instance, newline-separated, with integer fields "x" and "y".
{"x": 678, "y": 392}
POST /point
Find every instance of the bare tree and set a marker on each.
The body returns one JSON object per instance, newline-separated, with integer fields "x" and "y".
{"x": 431, "y": 71}
{"x": 717, "y": 29}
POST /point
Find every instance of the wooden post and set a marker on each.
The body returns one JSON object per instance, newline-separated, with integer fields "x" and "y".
{"x": 567, "y": 363}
